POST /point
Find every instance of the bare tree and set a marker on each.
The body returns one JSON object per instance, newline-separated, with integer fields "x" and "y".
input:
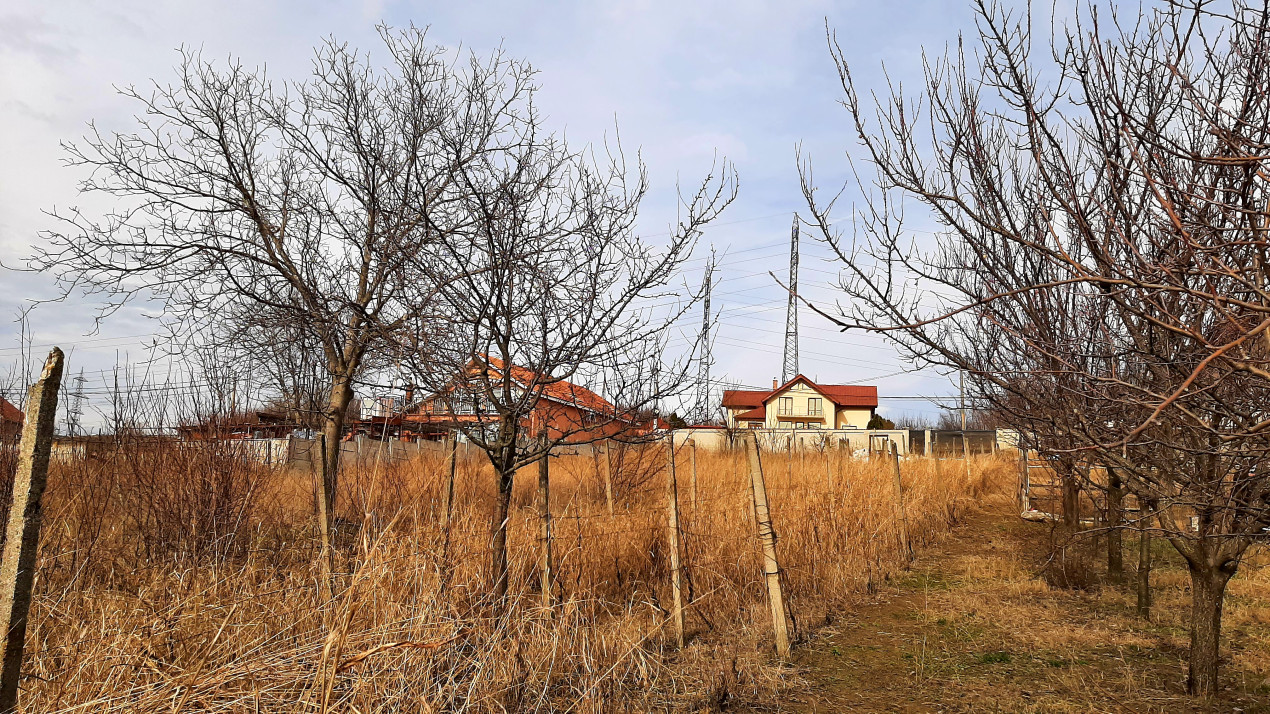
{"x": 557, "y": 332}
{"x": 254, "y": 207}
{"x": 1100, "y": 264}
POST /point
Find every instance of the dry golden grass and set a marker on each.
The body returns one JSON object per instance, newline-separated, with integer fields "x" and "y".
{"x": 183, "y": 580}
{"x": 977, "y": 625}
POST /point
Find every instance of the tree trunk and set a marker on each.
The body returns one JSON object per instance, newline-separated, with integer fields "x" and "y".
{"x": 1071, "y": 497}
{"x": 1115, "y": 545}
{"x": 505, "y": 472}
{"x": 1208, "y": 590}
{"x": 498, "y": 541}
{"x": 329, "y": 448}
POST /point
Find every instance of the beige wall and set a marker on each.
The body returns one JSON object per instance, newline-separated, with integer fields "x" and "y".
{"x": 853, "y": 418}
{"x": 800, "y": 394}
{"x": 732, "y": 412}
{"x": 856, "y": 441}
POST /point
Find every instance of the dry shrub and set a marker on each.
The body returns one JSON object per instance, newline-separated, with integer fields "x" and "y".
{"x": 223, "y": 614}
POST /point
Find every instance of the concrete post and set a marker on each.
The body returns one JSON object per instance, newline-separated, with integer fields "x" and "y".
{"x": 17, "y": 565}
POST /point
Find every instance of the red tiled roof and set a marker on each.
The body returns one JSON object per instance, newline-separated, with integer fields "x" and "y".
{"x": 737, "y": 398}
{"x": 753, "y": 415}
{"x": 8, "y": 412}
{"x": 844, "y": 395}
{"x": 849, "y": 395}
{"x": 560, "y": 390}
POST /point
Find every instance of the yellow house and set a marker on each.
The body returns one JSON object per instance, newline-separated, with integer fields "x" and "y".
{"x": 801, "y": 404}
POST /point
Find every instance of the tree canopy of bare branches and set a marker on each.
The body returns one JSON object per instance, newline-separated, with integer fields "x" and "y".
{"x": 257, "y": 210}
{"x": 560, "y": 301}
{"x": 1099, "y": 260}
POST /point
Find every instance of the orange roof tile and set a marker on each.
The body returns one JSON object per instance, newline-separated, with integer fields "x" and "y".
{"x": 10, "y": 413}
{"x": 736, "y": 398}
{"x": 559, "y": 390}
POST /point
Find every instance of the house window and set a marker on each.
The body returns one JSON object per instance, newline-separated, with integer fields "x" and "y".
{"x": 814, "y": 407}
{"x": 785, "y": 406}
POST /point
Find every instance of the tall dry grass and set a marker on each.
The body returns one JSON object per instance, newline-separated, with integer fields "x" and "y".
{"x": 182, "y": 580}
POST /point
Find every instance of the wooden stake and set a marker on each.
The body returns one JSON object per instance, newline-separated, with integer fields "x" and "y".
{"x": 608, "y": 477}
{"x": 1144, "y": 559}
{"x": 17, "y": 566}
{"x": 544, "y": 510}
{"x": 1024, "y": 501}
{"x": 828, "y": 470}
{"x": 899, "y": 499}
{"x": 965, "y": 449}
{"x": 449, "y": 498}
{"x": 767, "y": 537}
{"x": 672, "y": 537}
{"x": 692, "y": 455}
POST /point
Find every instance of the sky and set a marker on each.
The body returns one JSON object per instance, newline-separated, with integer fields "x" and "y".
{"x": 684, "y": 82}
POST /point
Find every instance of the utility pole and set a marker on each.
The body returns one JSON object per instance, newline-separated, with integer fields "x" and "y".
{"x": 790, "y": 368}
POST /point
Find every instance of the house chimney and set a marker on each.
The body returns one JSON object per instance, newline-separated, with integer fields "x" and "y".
{"x": 775, "y": 383}
{"x": 410, "y": 394}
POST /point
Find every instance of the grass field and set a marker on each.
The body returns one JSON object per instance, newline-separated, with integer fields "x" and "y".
{"x": 981, "y": 624}
{"x": 183, "y": 580}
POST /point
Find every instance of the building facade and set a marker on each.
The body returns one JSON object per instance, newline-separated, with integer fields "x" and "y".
{"x": 801, "y": 404}
{"x": 566, "y": 411}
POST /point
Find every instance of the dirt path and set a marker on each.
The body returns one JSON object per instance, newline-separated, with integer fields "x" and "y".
{"x": 973, "y": 628}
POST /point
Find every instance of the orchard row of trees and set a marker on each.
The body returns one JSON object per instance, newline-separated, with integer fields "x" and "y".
{"x": 1098, "y": 264}
{"x": 413, "y": 217}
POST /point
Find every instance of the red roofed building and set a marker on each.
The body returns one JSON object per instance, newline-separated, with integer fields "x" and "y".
{"x": 566, "y": 409}
{"x": 801, "y": 404}
{"x": 11, "y": 419}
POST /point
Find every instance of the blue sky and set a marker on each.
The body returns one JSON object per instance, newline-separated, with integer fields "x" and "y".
{"x": 682, "y": 80}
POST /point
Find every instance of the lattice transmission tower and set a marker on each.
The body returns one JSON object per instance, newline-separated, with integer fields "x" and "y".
{"x": 703, "y": 378}
{"x": 75, "y": 410}
{"x": 790, "y": 369}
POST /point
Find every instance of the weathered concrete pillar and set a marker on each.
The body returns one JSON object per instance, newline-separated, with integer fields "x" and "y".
{"x": 22, "y": 537}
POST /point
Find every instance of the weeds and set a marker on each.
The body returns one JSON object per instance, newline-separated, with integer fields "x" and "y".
{"x": 173, "y": 575}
